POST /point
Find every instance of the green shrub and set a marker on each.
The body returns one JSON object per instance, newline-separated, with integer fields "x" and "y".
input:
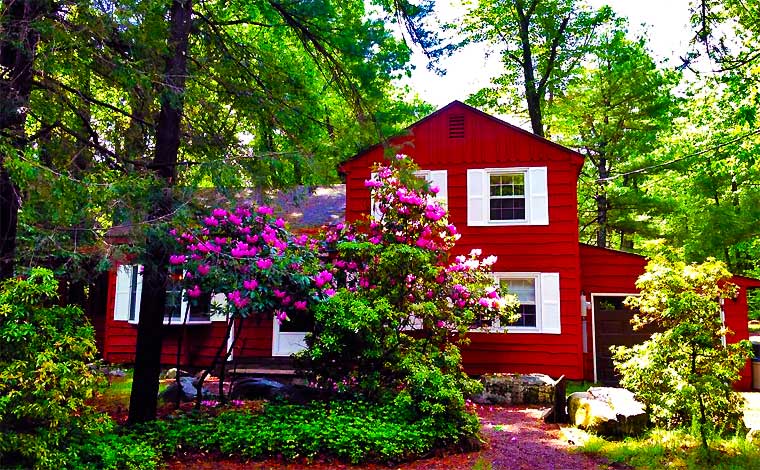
{"x": 685, "y": 373}
{"x": 112, "y": 452}
{"x": 44, "y": 374}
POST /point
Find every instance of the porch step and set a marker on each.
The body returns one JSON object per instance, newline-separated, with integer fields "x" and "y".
{"x": 262, "y": 371}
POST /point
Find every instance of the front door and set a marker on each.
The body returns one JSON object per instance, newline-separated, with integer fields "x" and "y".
{"x": 288, "y": 337}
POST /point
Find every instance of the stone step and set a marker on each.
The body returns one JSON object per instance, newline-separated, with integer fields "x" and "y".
{"x": 260, "y": 371}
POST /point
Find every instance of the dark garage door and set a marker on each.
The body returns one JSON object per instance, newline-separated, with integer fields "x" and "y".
{"x": 612, "y": 326}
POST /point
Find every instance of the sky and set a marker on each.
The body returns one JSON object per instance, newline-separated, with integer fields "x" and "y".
{"x": 668, "y": 34}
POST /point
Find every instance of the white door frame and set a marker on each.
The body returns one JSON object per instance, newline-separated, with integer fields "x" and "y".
{"x": 285, "y": 343}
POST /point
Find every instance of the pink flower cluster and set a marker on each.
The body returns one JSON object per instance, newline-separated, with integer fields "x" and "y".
{"x": 239, "y": 253}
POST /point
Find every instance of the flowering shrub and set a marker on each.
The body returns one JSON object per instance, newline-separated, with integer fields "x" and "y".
{"x": 402, "y": 305}
{"x": 249, "y": 256}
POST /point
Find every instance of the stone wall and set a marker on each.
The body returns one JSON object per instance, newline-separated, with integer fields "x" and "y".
{"x": 516, "y": 389}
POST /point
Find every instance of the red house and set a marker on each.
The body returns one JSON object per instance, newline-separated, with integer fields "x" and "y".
{"x": 511, "y": 194}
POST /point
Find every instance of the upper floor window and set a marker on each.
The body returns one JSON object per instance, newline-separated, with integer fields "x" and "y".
{"x": 507, "y": 196}
{"x": 437, "y": 178}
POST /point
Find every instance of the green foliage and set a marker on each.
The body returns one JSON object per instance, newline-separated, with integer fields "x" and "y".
{"x": 753, "y": 304}
{"x": 684, "y": 374}
{"x": 616, "y": 112}
{"x": 111, "y": 451}
{"x": 542, "y": 44}
{"x": 348, "y": 431}
{"x": 45, "y": 378}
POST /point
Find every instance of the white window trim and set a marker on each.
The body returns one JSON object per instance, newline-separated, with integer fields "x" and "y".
{"x": 124, "y": 286}
{"x": 526, "y": 193}
{"x": 541, "y": 323}
{"x": 536, "y": 196}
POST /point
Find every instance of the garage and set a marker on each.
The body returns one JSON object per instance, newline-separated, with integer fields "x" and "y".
{"x": 612, "y": 327}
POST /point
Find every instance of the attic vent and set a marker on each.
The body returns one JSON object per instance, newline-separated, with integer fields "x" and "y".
{"x": 456, "y": 126}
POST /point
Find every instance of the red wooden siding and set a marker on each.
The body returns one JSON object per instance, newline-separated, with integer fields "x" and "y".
{"x": 736, "y": 320}
{"x": 198, "y": 346}
{"x": 490, "y": 143}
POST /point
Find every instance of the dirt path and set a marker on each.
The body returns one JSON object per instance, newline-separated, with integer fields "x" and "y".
{"x": 518, "y": 440}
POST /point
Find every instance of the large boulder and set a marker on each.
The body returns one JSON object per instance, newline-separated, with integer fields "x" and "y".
{"x": 608, "y": 411}
{"x": 516, "y": 389}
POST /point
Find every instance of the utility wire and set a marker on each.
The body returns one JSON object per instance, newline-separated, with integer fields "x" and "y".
{"x": 695, "y": 154}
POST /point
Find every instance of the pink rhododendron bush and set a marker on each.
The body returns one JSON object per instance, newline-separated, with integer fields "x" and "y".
{"x": 403, "y": 305}
{"x": 246, "y": 263}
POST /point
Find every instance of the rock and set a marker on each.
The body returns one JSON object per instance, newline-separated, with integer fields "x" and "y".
{"x": 117, "y": 372}
{"x": 608, "y": 411}
{"x": 515, "y": 389}
{"x": 172, "y": 373}
{"x": 186, "y": 390}
{"x": 257, "y": 388}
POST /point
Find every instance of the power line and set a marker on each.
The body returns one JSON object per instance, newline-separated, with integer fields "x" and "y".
{"x": 695, "y": 154}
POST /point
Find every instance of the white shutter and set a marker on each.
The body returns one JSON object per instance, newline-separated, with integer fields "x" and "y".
{"x": 138, "y": 292}
{"x": 231, "y": 340}
{"x": 477, "y": 200}
{"x": 538, "y": 203}
{"x": 440, "y": 178}
{"x": 550, "y": 311}
{"x": 123, "y": 288}
{"x": 221, "y": 300}
{"x": 374, "y": 209}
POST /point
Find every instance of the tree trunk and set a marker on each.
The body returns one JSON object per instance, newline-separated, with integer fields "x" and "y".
{"x": 532, "y": 95}
{"x": 18, "y": 47}
{"x": 144, "y": 398}
{"x": 602, "y": 204}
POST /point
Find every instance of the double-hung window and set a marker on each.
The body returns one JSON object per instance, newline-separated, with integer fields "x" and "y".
{"x": 525, "y": 290}
{"x": 507, "y": 196}
{"x": 539, "y": 301}
{"x": 129, "y": 280}
{"x": 437, "y": 178}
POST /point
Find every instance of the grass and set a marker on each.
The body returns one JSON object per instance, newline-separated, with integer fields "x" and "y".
{"x": 659, "y": 449}
{"x": 675, "y": 450}
{"x": 578, "y": 386}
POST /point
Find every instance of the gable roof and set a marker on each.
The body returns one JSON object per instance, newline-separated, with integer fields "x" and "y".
{"x": 458, "y": 104}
